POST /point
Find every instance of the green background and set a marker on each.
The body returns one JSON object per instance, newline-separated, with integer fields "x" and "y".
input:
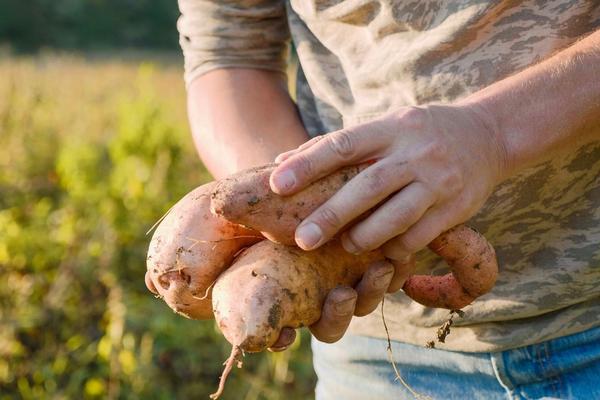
{"x": 94, "y": 148}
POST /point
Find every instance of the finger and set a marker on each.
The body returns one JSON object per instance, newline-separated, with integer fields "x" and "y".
{"x": 360, "y": 194}
{"x": 402, "y": 270}
{"x": 372, "y": 287}
{"x": 286, "y": 338}
{"x": 284, "y": 156}
{"x": 334, "y": 151}
{"x": 392, "y": 218}
{"x": 336, "y": 315}
{"x": 149, "y": 283}
{"x": 433, "y": 223}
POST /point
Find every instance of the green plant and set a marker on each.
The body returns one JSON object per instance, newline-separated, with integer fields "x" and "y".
{"x": 91, "y": 154}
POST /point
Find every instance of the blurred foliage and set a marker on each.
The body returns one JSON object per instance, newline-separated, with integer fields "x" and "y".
{"x": 79, "y": 24}
{"x": 91, "y": 155}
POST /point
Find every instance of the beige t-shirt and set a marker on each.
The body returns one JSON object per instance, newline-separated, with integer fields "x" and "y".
{"x": 362, "y": 58}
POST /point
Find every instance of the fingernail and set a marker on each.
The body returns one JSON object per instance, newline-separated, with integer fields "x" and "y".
{"x": 284, "y": 181}
{"x": 277, "y": 349}
{"x": 345, "y": 306}
{"x": 383, "y": 279}
{"x": 308, "y": 235}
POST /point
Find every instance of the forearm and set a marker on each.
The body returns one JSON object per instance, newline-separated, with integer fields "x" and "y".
{"x": 547, "y": 109}
{"x": 242, "y": 118}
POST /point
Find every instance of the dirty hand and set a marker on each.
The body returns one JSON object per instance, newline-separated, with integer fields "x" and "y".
{"x": 432, "y": 168}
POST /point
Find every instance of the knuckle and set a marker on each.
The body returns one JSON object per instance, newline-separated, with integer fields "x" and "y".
{"x": 328, "y": 218}
{"x": 452, "y": 180}
{"x": 357, "y": 241}
{"x": 402, "y": 217}
{"x": 408, "y": 243}
{"x": 377, "y": 180}
{"x": 394, "y": 251}
{"x": 435, "y": 150}
{"x": 304, "y": 165}
{"x": 342, "y": 144}
{"x": 415, "y": 117}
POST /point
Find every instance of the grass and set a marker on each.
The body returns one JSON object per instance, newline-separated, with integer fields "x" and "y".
{"x": 92, "y": 151}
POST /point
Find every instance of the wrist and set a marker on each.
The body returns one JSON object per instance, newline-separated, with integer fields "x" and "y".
{"x": 491, "y": 129}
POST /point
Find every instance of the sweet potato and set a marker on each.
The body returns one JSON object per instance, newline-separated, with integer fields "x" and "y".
{"x": 473, "y": 266}
{"x": 246, "y": 198}
{"x": 274, "y": 285}
{"x": 188, "y": 251}
{"x": 271, "y": 286}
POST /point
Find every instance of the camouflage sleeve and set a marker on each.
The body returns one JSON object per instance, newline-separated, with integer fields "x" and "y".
{"x": 224, "y": 34}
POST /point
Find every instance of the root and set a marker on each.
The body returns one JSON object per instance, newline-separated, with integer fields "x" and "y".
{"x": 159, "y": 220}
{"x": 205, "y": 296}
{"x": 196, "y": 241}
{"x": 229, "y": 363}
{"x": 390, "y": 353}
{"x": 444, "y": 330}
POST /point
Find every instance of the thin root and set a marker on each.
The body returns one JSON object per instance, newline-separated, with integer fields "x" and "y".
{"x": 196, "y": 241}
{"x": 229, "y": 363}
{"x": 390, "y": 353}
{"x": 159, "y": 220}
{"x": 207, "y": 291}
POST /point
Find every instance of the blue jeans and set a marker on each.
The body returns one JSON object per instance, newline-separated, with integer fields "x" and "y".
{"x": 357, "y": 367}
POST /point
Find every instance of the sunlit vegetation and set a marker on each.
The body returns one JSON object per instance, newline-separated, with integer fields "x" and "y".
{"x": 92, "y": 153}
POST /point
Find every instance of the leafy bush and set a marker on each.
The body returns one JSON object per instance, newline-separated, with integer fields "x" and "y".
{"x": 90, "y": 157}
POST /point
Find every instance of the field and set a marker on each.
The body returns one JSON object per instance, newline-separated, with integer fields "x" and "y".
{"x": 92, "y": 152}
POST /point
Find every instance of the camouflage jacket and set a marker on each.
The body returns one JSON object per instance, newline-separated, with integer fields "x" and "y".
{"x": 362, "y": 58}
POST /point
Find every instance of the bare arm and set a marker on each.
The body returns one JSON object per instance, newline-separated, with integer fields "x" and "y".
{"x": 547, "y": 109}
{"x": 241, "y": 115}
{"x": 241, "y": 118}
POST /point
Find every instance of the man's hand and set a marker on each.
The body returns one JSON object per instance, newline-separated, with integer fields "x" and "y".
{"x": 343, "y": 303}
{"x": 433, "y": 168}
{"x": 421, "y": 183}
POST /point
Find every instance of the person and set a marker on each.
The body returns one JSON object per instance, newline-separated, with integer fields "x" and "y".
{"x": 485, "y": 112}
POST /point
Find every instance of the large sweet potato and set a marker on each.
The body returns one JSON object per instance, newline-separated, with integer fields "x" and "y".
{"x": 271, "y": 286}
{"x": 246, "y": 198}
{"x": 188, "y": 251}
